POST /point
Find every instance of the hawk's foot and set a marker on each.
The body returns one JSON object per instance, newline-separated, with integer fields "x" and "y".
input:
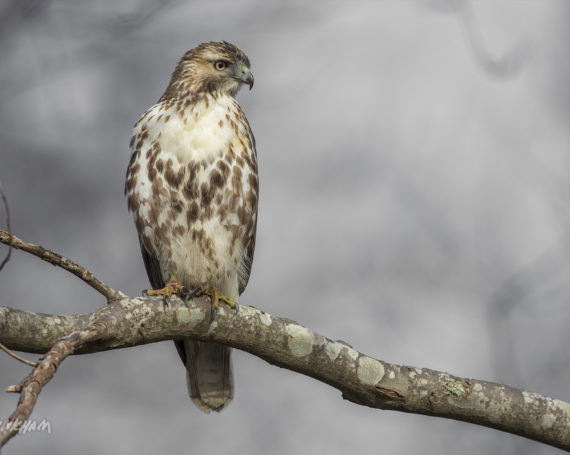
{"x": 173, "y": 287}
{"x": 216, "y": 297}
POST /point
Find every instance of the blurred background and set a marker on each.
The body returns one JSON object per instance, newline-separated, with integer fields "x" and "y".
{"x": 414, "y": 190}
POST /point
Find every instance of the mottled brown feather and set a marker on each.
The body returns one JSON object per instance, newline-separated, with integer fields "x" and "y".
{"x": 171, "y": 200}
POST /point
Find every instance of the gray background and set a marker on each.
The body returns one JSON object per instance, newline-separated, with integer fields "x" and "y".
{"x": 415, "y": 183}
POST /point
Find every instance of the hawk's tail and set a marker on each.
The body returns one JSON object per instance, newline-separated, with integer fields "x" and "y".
{"x": 209, "y": 374}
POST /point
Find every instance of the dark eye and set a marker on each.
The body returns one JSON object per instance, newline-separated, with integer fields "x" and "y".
{"x": 220, "y": 65}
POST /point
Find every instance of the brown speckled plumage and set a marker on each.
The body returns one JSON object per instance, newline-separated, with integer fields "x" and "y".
{"x": 192, "y": 187}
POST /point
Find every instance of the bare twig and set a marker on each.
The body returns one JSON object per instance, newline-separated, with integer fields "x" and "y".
{"x": 5, "y": 200}
{"x": 31, "y": 386}
{"x": 17, "y": 357}
{"x": 57, "y": 259}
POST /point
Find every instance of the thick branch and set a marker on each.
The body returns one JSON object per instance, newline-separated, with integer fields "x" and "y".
{"x": 134, "y": 321}
{"x": 282, "y": 342}
{"x": 60, "y": 261}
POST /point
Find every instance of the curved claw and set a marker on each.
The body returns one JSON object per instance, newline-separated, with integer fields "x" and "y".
{"x": 216, "y": 298}
{"x": 165, "y": 302}
{"x": 213, "y": 313}
{"x": 196, "y": 292}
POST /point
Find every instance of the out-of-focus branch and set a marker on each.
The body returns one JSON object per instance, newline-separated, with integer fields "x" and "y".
{"x": 5, "y": 201}
{"x": 60, "y": 261}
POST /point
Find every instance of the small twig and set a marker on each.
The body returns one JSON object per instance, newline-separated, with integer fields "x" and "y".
{"x": 5, "y": 200}
{"x": 31, "y": 386}
{"x": 57, "y": 259}
{"x": 17, "y": 357}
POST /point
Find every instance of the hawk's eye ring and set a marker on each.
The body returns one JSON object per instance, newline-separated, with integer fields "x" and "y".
{"x": 220, "y": 65}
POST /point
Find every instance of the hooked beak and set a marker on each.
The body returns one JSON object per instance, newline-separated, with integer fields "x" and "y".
{"x": 243, "y": 75}
{"x": 246, "y": 78}
{"x": 249, "y": 80}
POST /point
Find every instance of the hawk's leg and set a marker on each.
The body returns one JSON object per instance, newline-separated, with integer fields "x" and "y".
{"x": 216, "y": 297}
{"x": 173, "y": 287}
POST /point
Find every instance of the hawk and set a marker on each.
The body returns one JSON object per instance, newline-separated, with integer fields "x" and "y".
{"x": 192, "y": 186}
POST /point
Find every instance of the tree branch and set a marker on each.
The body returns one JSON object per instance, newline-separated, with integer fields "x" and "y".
{"x": 127, "y": 321}
{"x": 57, "y": 259}
{"x": 31, "y": 386}
{"x": 279, "y": 341}
{"x": 17, "y": 357}
{"x": 5, "y": 201}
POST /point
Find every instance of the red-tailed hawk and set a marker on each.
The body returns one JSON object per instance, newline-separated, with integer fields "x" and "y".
{"x": 192, "y": 186}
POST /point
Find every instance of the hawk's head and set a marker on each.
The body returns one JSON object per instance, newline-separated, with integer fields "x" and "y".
{"x": 210, "y": 67}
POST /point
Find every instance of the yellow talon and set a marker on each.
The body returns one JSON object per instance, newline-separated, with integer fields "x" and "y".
{"x": 173, "y": 287}
{"x": 216, "y": 296}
